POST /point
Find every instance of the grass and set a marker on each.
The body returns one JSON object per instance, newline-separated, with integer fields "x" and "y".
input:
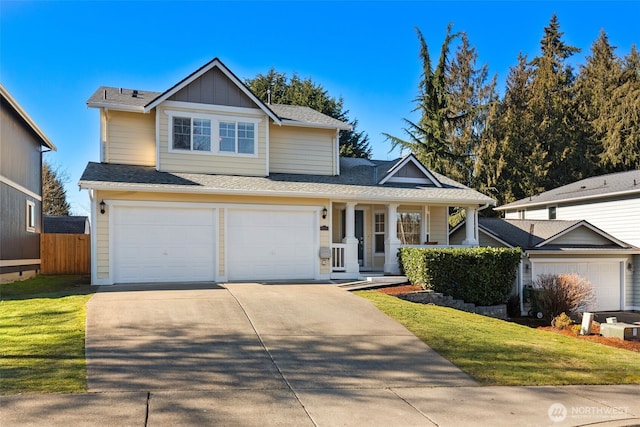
{"x": 42, "y": 327}
{"x": 495, "y": 352}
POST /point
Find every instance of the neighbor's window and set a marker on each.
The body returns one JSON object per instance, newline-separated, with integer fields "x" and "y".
{"x": 378, "y": 232}
{"x": 552, "y": 212}
{"x": 191, "y": 134}
{"x": 31, "y": 216}
{"x": 409, "y": 227}
{"x": 237, "y": 137}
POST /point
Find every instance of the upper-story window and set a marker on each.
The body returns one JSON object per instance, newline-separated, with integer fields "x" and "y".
{"x": 31, "y": 216}
{"x": 191, "y": 134}
{"x": 204, "y": 133}
{"x": 237, "y": 137}
{"x": 552, "y": 212}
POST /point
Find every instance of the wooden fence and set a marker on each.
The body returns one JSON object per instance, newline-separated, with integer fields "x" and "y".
{"x": 65, "y": 253}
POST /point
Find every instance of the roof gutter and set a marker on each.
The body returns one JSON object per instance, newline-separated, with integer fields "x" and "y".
{"x": 573, "y": 199}
{"x": 196, "y": 189}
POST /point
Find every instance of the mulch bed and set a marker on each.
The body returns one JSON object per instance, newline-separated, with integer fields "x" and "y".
{"x": 535, "y": 323}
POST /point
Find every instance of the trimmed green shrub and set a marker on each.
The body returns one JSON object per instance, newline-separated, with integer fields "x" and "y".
{"x": 483, "y": 276}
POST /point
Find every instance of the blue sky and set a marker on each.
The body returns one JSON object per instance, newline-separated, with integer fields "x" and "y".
{"x": 54, "y": 55}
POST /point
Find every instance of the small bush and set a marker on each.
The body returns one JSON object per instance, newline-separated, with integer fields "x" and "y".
{"x": 564, "y": 293}
{"x": 576, "y": 329}
{"x": 562, "y": 321}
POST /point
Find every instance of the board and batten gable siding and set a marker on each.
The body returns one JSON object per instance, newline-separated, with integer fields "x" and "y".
{"x": 130, "y": 138}
{"x": 212, "y": 163}
{"x": 19, "y": 151}
{"x": 620, "y": 218}
{"x": 213, "y": 88}
{"x": 302, "y": 150}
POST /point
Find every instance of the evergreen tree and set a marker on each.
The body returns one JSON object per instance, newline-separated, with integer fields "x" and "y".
{"x": 621, "y": 143}
{"x": 595, "y": 86}
{"x": 54, "y": 196}
{"x": 279, "y": 89}
{"x": 554, "y": 110}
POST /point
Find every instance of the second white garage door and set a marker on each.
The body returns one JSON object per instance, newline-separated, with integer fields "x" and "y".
{"x": 160, "y": 244}
{"x": 604, "y": 275}
{"x": 271, "y": 244}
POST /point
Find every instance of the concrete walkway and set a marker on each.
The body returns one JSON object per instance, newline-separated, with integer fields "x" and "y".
{"x": 292, "y": 355}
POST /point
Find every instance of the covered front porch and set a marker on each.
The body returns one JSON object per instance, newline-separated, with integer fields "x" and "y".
{"x": 366, "y": 237}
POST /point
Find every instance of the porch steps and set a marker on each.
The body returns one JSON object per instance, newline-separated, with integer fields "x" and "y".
{"x": 374, "y": 281}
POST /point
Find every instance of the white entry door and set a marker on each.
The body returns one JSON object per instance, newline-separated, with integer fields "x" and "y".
{"x": 604, "y": 275}
{"x": 271, "y": 244}
{"x": 159, "y": 244}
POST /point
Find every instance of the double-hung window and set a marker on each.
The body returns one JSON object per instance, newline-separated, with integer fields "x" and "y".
{"x": 237, "y": 137}
{"x": 378, "y": 232}
{"x": 190, "y": 133}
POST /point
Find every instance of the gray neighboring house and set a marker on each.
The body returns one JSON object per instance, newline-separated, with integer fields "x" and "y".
{"x": 564, "y": 247}
{"x": 22, "y": 143}
{"x": 66, "y": 225}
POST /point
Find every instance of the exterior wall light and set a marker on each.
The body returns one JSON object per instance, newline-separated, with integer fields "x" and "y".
{"x": 324, "y": 213}
{"x": 102, "y": 207}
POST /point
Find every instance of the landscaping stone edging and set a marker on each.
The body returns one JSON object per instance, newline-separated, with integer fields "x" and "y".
{"x": 429, "y": 297}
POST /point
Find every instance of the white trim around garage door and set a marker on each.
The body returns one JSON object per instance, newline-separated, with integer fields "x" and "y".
{"x": 620, "y": 261}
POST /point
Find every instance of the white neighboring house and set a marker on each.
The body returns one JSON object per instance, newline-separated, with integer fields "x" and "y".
{"x": 565, "y": 247}
{"x": 610, "y": 202}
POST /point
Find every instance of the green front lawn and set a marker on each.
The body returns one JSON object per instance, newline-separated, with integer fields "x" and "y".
{"x": 495, "y": 352}
{"x": 42, "y": 325}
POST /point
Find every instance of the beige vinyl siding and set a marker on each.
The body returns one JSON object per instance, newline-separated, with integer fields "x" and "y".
{"x": 212, "y": 163}
{"x": 131, "y": 138}
{"x": 439, "y": 224}
{"x": 581, "y": 236}
{"x": 302, "y": 150}
{"x": 102, "y": 242}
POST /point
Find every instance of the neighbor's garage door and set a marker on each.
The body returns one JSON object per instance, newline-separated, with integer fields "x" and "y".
{"x": 158, "y": 244}
{"x": 265, "y": 244}
{"x": 604, "y": 275}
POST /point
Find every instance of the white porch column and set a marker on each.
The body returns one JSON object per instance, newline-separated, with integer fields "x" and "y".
{"x": 351, "y": 251}
{"x": 391, "y": 243}
{"x": 471, "y": 226}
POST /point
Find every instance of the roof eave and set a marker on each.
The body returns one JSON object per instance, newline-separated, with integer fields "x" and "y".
{"x": 516, "y": 205}
{"x": 118, "y": 107}
{"x": 295, "y": 123}
{"x": 23, "y": 114}
{"x": 167, "y": 188}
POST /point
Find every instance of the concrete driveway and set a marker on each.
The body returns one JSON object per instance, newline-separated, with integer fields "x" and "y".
{"x": 284, "y": 355}
{"x": 252, "y": 336}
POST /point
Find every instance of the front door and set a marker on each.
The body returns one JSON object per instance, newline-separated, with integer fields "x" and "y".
{"x": 359, "y": 231}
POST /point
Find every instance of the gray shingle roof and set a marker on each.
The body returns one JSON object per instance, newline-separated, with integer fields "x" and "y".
{"x": 65, "y": 224}
{"x": 119, "y": 97}
{"x": 524, "y": 233}
{"x": 590, "y": 188}
{"x": 357, "y": 181}
{"x": 296, "y": 114}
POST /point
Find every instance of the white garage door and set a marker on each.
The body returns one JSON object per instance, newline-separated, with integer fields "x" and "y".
{"x": 604, "y": 275}
{"x": 264, "y": 245}
{"x": 158, "y": 244}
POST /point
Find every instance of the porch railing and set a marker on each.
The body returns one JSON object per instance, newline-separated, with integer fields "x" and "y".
{"x": 337, "y": 257}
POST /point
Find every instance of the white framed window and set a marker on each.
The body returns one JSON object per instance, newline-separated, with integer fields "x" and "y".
{"x": 552, "y": 212}
{"x": 31, "y": 216}
{"x": 378, "y": 232}
{"x": 409, "y": 227}
{"x": 212, "y": 134}
{"x": 237, "y": 137}
{"x": 191, "y": 133}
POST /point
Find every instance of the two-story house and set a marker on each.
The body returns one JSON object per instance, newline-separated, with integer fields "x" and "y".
{"x": 206, "y": 182}
{"x": 611, "y": 203}
{"x": 21, "y": 145}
